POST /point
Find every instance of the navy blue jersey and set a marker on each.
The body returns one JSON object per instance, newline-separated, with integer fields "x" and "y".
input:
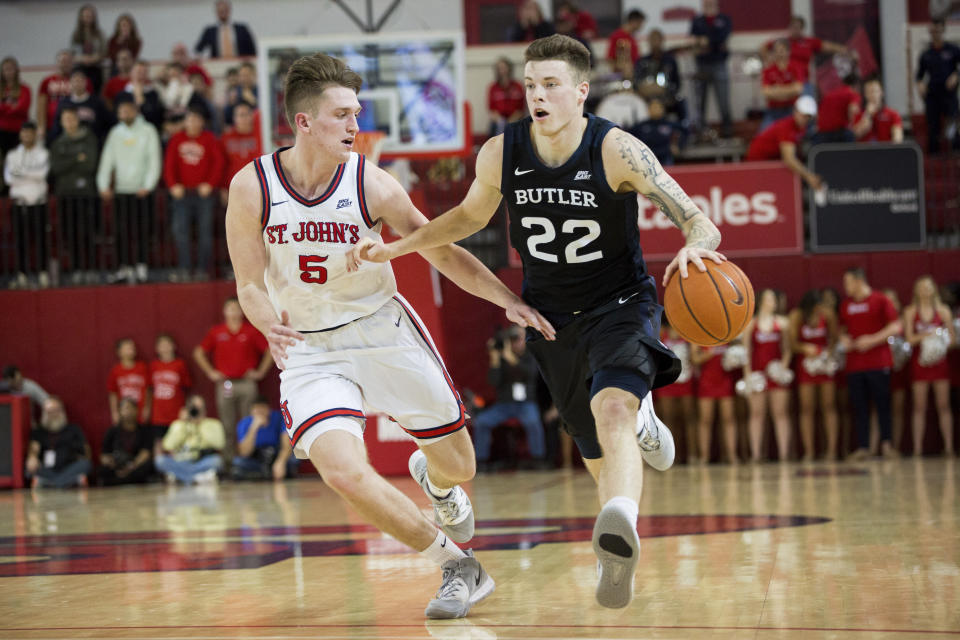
{"x": 577, "y": 238}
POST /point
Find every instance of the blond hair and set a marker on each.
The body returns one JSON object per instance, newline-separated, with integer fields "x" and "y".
{"x": 309, "y": 76}
{"x": 560, "y": 47}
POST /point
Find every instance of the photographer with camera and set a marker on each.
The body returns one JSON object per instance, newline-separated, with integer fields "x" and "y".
{"x": 125, "y": 457}
{"x": 193, "y": 445}
{"x": 513, "y": 373}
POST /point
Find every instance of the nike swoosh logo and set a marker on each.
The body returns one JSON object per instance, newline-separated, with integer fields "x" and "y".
{"x": 478, "y": 579}
{"x": 273, "y": 204}
{"x": 517, "y": 171}
{"x": 398, "y": 324}
{"x": 444, "y": 543}
{"x": 622, "y": 300}
{"x": 736, "y": 289}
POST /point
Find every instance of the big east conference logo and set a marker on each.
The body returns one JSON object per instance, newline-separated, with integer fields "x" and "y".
{"x": 735, "y": 209}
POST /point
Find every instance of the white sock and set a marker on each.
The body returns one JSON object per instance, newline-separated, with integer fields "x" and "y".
{"x": 442, "y": 549}
{"x": 437, "y": 491}
{"x": 627, "y": 506}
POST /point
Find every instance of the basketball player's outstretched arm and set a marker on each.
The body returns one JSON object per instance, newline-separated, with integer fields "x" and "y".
{"x": 631, "y": 166}
{"x": 249, "y": 258}
{"x": 390, "y": 203}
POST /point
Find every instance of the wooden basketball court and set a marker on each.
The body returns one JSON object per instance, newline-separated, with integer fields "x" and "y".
{"x": 771, "y": 551}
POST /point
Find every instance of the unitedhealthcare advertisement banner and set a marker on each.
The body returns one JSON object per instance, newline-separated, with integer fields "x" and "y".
{"x": 873, "y": 201}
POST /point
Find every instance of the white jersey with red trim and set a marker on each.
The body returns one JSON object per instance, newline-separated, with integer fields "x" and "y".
{"x": 307, "y": 242}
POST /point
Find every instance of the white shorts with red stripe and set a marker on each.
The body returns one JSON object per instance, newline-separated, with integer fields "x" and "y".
{"x": 382, "y": 363}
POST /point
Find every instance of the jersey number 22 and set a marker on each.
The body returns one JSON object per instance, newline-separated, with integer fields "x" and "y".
{"x": 571, "y": 254}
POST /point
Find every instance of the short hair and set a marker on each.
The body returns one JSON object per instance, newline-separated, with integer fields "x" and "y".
{"x": 247, "y": 65}
{"x": 873, "y": 77}
{"x": 307, "y": 79}
{"x": 938, "y": 22}
{"x": 560, "y": 47}
{"x": 197, "y": 110}
{"x": 119, "y": 342}
{"x": 243, "y": 103}
{"x": 124, "y": 98}
{"x": 856, "y": 272}
{"x": 10, "y": 371}
{"x": 29, "y": 125}
{"x": 636, "y": 14}
{"x": 127, "y": 400}
{"x": 260, "y": 400}
{"x": 800, "y": 19}
{"x": 77, "y": 69}
{"x": 67, "y": 106}
{"x": 231, "y": 299}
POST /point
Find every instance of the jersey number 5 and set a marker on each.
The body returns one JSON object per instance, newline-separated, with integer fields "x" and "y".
{"x": 572, "y": 253}
{"x": 311, "y": 271}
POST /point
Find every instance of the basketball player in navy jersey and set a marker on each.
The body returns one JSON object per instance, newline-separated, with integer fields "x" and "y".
{"x": 347, "y": 341}
{"x": 571, "y": 181}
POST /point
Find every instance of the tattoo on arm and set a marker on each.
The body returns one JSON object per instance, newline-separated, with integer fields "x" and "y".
{"x": 702, "y": 236}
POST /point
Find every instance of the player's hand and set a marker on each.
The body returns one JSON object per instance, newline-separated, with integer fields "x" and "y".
{"x": 526, "y": 316}
{"x": 694, "y": 255}
{"x": 368, "y": 250}
{"x": 280, "y": 337}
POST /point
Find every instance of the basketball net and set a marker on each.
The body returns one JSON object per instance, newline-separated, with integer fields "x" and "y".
{"x": 369, "y": 143}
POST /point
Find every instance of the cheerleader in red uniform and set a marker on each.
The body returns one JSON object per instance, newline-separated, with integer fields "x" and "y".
{"x": 715, "y": 386}
{"x": 924, "y": 315}
{"x": 768, "y": 339}
{"x": 899, "y": 383}
{"x": 675, "y": 401}
{"x": 813, "y": 330}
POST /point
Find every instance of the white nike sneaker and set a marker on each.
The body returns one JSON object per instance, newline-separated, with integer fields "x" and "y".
{"x": 617, "y": 545}
{"x": 453, "y": 514}
{"x": 653, "y": 437}
{"x": 465, "y": 583}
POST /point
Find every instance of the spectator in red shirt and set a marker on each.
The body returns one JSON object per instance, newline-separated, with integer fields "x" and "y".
{"x": 779, "y": 141}
{"x": 623, "y": 51}
{"x": 125, "y": 37}
{"x": 782, "y": 84}
{"x": 867, "y": 319}
{"x": 116, "y": 84}
{"x": 241, "y": 144}
{"x": 877, "y": 122}
{"x": 839, "y": 109}
{"x": 192, "y": 168}
{"x": 803, "y": 48}
{"x": 14, "y": 105}
{"x": 505, "y": 97}
{"x": 128, "y": 379}
{"x": 584, "y": 24}
{"x": 54, "y": 88}
{"x": 169, "y": 380}
{"x": 235, "y": 357}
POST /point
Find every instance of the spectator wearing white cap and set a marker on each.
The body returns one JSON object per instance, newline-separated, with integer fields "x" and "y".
{"x": 780, "y": 140}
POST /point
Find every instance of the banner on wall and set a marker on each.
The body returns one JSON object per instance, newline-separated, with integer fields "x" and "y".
{"x": 756, "y": 206}
{"x": 874, "y": 199}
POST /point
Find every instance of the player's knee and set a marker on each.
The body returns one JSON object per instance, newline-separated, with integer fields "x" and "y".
{"x": 612, "y": 411}
{"x": 343, "y": 476}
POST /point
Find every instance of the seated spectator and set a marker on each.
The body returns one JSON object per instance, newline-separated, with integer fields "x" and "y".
{"x": 244, "y": 91}
{"x": 513, "y": 372}
{"x": 89, "y": 46}
{"x": 803, "y": 48}
{"x": 566, "y": 25}
{"x": 54, "y": 88}
{"x": 14, "y": 104}
{"x": 938, "y": 75}
{"x": 226, "y": 39}
{"x": 877, "y": 122}
{"x": 128, "y": 379}
{"x": 25, "y": 172}
{"x": 119, "y": 82}
{"x": 711, "y": 32}
{"x": 263, "y": 448}
{"x": 145, "y": 95}
{"x": 623, "y": 51}
{"x": 193, "y": 166}
{"x": 838, "y": 111}
{"x": 15, "y": 383}
{"x": 126, "y": 455}
{"x": 58, "y": 454}
{"x": 241, "y": 144}
{"x": 91, "y": 110}
{"x": 73, "y": 165}
{"x": 656, "y": 75}
{"x": 505, "y": 97}
{"x": 176, "y": 90}
{"x": 125, "y": 38}
{"x": 129, "y": 172}
{"x": 169, "y": 381}
{"x": 193, "y": 445}
{"x": 200, "y": 100}
{"x": 664, "y": 137}
{"x": 780, "y": 140}
{"x": 584, "y": 24}
{"x": 530, "y": 23}
{"x": 782, "y": 83}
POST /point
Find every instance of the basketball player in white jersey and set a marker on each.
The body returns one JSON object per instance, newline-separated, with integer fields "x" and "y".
{"x": 348, "y": 342}
{"x": 571, "y": 182}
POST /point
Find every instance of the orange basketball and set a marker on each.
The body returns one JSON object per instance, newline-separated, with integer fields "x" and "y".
{"x": 712, "y": 307}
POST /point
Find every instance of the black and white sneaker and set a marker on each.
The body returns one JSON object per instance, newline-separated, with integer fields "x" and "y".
{"x": 465, "y": 583}
{"x": 653, "y": 437}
